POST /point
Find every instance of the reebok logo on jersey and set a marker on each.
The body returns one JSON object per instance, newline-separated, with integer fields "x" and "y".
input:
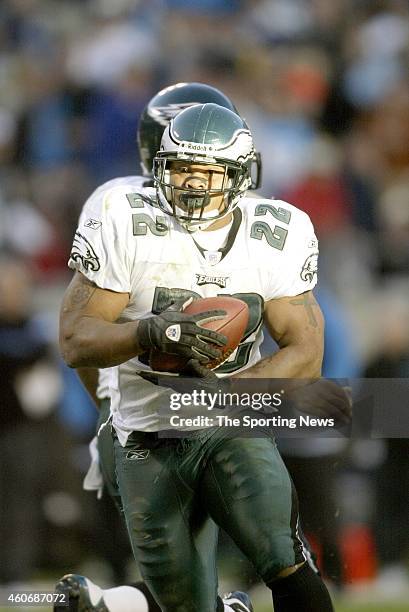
{"x": 173, "y": 332}
{"x": 138, "y": 455}
{"x": 93, "y": 224}
{"x": 204, "y": 279}
{"x": 310, "y": 268}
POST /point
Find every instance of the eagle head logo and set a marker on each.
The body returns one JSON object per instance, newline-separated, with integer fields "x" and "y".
{"x": 83, "y": 252}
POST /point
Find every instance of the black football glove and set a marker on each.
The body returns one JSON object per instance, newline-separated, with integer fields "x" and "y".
{"x": 173, "y": 331}
{"x": 194, "y": 376}
{"x": 193, "y": 369}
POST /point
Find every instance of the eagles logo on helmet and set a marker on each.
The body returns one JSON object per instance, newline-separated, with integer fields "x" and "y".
{"x": 163, "y": 114}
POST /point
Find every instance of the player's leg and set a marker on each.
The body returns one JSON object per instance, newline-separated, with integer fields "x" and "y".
{"x": 165, "y": 525}
{"x": 205, "y": 539}
{"x": 312, "y": 476}
{"x": 250, "y": 495}
{"x": 83, "y": 594}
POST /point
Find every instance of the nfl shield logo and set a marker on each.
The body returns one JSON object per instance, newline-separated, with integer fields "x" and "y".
{"x": 213, "y": 257}
{"x": 173, "y": 332}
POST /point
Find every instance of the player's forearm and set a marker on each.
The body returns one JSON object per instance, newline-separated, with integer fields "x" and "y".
{"x": 95, "y": 343}
{"x": 292, "y": 361}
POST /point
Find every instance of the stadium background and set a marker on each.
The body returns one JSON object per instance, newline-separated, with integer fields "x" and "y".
{"x": 324, "y": 87}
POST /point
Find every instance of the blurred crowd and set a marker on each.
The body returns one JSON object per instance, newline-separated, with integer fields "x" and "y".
{"x": 324, "y": 87}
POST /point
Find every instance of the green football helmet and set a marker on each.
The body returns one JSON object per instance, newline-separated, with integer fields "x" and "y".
{"x": 204, "y": 135}
{"x": 163, "y": 107}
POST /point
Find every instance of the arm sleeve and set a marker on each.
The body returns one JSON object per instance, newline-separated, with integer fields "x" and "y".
{"x": 299, "y": 261}
{"x": 100, "y": 245}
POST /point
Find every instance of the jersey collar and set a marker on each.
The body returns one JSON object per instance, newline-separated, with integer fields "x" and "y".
{"x": 231, "y": 237}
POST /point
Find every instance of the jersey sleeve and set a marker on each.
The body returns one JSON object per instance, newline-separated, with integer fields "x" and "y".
{"x": 100, "y": 245}
{"x": 299, "y": 260}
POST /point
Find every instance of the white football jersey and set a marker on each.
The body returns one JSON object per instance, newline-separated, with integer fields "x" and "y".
{"x": 125, "y": 243}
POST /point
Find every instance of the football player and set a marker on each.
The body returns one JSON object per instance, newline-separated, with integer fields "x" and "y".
{"x": 146, "y": 252}
{"x": 155, "y": 117}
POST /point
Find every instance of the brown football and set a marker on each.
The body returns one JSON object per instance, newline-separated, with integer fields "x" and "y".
{"x": 232, "y": 326}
